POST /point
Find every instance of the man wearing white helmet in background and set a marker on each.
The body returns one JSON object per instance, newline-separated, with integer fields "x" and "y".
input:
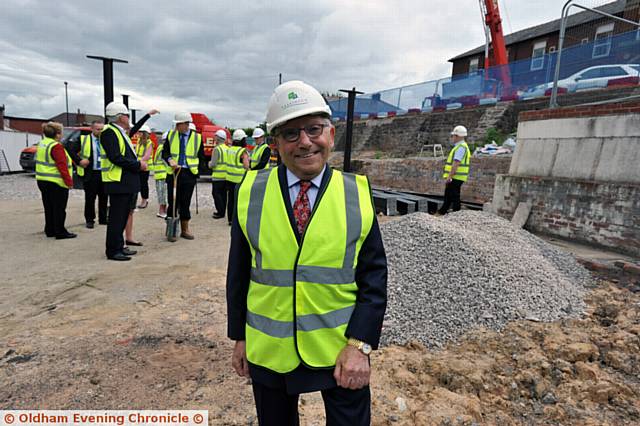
{"x": 120, "y": 174}
{"x": 182, "y": 150}
{"x": 456, "y": 170}
{"x": 261, "y": 153}
{"x": 306, "y": 282}
{"x": 237, "y": 164}
{"x": 85, "y": 153}
{"x": 218, "y": 168}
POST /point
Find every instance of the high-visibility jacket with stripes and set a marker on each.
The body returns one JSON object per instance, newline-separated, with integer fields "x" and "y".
{"x": 219, "y": 171}
{"x": 141, "y": 148}
{"x": 111, "y": 172}
{"x": 46, "y": 169}
{"x": 462, "y": 172}
{"x": 301, "y": 296}
{"x": 191, "y": 149}
{"x": 86, "y": 146}
{"x": 257, "y": 154}
{"x": 235, "y": 168}
{"x": 159, "y": 167}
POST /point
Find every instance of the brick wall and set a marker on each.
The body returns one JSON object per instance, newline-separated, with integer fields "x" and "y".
{"x": 599, "y": 213}
{"x": 424, "y": 175}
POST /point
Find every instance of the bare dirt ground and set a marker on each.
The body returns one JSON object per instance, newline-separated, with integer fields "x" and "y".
{"x": 78, "y": 331}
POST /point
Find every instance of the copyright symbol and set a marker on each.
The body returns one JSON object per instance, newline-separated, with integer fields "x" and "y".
{"x": 198, "y": 418}
{"x": 9, "y": 418}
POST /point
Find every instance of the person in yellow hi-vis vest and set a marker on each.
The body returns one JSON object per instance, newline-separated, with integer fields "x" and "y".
{"x": 218, "y": 165}
{"x": 456, "y": 170}
{"x": 183, "y": 149}
{"x": 159, "y": 169}
{"x": 237, "y": 165}
{"x": 144, "y": 149}
{"x": 307, "y": 276}
{"x": 261, "y": 154}
{"x": 53, "y": 175}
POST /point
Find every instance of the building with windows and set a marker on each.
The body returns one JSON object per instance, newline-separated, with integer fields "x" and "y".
{"x": 593, "y": 36}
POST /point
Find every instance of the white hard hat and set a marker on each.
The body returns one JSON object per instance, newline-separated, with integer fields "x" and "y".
{"x": 239, "y": 134}
{"x": 192, "y": 126}
{"x": 257, "y": 133}
{"x": 221, "y": 134}
{"x": 459, "y": 131}
{"x": 294, "y": 99}
{"x": 116, "y": 108}
{"x": 182, "y": 117}
{"x": 145, "y": 128}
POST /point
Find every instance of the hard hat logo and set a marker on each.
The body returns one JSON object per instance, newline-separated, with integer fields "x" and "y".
{"x": 293, "y": 95}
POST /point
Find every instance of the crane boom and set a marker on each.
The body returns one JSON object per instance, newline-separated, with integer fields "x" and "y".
{"x": 498, "y": 46}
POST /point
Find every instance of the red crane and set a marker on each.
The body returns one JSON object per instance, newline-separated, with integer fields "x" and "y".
{"x": 493, "y": 26}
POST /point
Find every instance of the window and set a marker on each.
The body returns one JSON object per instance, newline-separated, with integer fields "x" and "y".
{"x": 612, "y": 72}
{"x": 537, "y": 58}
{"x": 584, "y": 40}
{"x": 592, "y": 73}
{"x": 473, "y": 65}
{"x": 602, "y": 41}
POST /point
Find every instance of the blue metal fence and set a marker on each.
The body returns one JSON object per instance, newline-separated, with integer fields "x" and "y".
{"x": 607, "y": 62}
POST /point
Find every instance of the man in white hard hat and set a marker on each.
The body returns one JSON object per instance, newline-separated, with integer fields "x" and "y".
{"x": 237, "y": 165}
{"x": 85, "y": 153}
{"x": 456, "y": 170}
{"x": 261, "y": 153}
{"x": 121, "y": 175}
{"x": 218, "y": 166}
{"x": 306, "y": 283}
{"x": 182, "y": 150}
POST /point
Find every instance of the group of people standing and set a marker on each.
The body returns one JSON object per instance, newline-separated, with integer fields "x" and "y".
{"x": 114, "y": 171}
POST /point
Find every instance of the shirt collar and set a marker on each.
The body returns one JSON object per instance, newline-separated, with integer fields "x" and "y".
{"x": 316, "y": 181}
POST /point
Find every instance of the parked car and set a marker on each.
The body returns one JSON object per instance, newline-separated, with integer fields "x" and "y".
{"x": 594, "y": 77}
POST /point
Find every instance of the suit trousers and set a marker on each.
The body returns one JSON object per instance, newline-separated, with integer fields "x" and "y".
{"x": 94, "y": 188}
{"x": 186, "y": 184}
{"x": 54, "y": 201}
{"x": 451, "y": 196}
{"x": 219, "y": 194}
{"x": 343, "y": 407}
{"x": 119, "y": 208}
{"x": 231, "y": 200}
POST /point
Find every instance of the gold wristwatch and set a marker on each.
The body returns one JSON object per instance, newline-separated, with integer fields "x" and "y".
{"x": 363, "y": 347}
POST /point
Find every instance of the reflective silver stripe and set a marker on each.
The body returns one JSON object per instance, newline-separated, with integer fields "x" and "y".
{"x": 254, "y": 214}
{"x": 324, "y": 275}
{"x": 192, "y": 157}
{"x": 354, "y": 220}
{"x": 331, "y": 319}
{"x": 55, "y": 175}
{"x": 270, "y": 327}
{"x": 42, "y": 163}
{"x": 272, "y": 277}
{"x": 235, "y": 174}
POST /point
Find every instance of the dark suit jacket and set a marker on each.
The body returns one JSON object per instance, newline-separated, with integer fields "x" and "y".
{"x": 365, "y": 323}
{"x": 130, "y": 181}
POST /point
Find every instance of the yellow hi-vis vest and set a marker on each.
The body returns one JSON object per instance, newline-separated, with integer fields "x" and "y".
{"x": 235, "y": 168}
{"x": 110, "y": 171}
{"x": 142, "y": 148}
{"x": 191, "y": 149}
{"x": 86, "y": 147}
{"x": 301, "y": 297}
{"x": 257, "y": 154}
{"x": 46, "y": 169}
{"x": 159, "y": 166}
{"x": 219, "y": 172}
{"x": 462, "y": 172}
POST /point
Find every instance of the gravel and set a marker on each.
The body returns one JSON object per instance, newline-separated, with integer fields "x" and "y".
{"x": 451, "y": 274}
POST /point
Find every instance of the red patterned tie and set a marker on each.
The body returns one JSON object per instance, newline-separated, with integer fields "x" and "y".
{"x": 302, "y": 208}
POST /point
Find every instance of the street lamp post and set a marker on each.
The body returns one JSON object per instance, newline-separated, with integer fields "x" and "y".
{"x": 66, "y": 99}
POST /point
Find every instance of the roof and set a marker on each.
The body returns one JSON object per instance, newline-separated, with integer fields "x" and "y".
{"x": 73, "y": 118}
{"x": 551, "y": 27}
{"x": 8, "y": 117}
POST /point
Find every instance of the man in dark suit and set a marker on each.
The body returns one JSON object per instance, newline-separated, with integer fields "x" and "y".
{"x": 85, "y": 153}
{"x": 120, "y": 174}
{"x": 300, "y": 324}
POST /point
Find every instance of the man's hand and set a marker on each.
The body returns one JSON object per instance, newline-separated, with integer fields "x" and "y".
{"x": 173, "y": 164}
{"x": 84, "y": 163}
{"x": 144, "y": 166}
{"x": 352, "y": 369}
{"x": 153, "y": 112}
{"x": 239, "y": 359}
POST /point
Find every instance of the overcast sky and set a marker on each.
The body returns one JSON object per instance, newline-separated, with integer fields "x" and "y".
{"x": 223, "y": 57}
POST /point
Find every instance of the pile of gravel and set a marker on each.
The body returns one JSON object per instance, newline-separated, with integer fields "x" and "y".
{"x": 448, "y": 275}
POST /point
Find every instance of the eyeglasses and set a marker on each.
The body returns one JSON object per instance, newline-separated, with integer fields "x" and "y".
{"x": 292, "y": 134}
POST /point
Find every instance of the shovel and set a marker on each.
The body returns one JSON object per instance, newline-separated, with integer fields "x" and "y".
{"x": 172, "y": 222}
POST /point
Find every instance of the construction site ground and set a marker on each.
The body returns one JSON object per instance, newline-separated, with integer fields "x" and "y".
{"x": 80, "y": 332}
